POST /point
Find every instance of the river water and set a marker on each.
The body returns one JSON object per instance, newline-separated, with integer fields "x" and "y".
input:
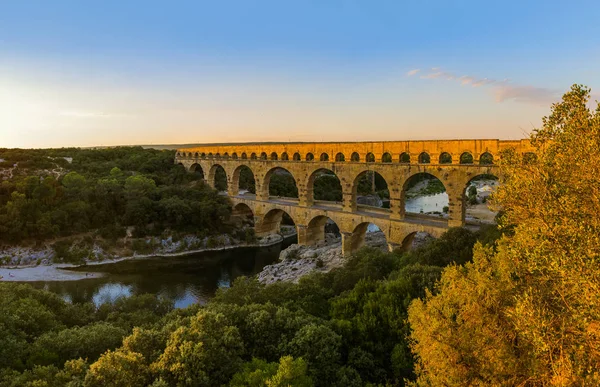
{"x": 184, "y": 280}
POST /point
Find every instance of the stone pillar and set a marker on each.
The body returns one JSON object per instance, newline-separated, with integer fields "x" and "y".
{"x": 456, "y": 208}
{"x": 210, "y": 182}
{"x": 397, "y": 209}
{"x": 232, "y": 189}
{"x": 302, "y": 235}
{"x": 349, "y": 202}
{"x": 346, "y": 244}
{"x": 305, "y": 196}
{"x": 396, "y": 201}
{"x": 262, "y": 192}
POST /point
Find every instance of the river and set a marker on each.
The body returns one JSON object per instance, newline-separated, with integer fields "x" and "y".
{"x": 184, "y": 280}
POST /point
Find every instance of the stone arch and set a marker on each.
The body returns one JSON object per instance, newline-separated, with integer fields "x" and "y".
{"x": 263, "y": 156}
{"x": 210, "y": 155}
{"x": 285, "y": 185}
{"x": 253, "y": 156}
{"x": 386, "y": 157}
{"x": 225, "y": 155}
{"x": 372, "y": 187}
{"x": 244, "y": 156}
{"x": 355, "y": 157}
{"x": 178, "y": 154}
{"x": 203, "y": 155}
{"x": 284, "y": 156}
{"x": 273, "y": 156}
{"x": 477, "y": 191}
{"x": 486, "y": 158}
{"x": 196, "y": 155}
{"x": 217, "y": 177}
{"x": 424, "y": 158}
{"x": 217, "y": 155}
{"x": 370, "y": 158}
{"x": 408, "y": 241}
{"x": 324, "y": 184}
{"x": 271, "y": 222}
{"x": 197, "y": 169}
{"x": 357, "y": 240}
{"x": 340, "y": 157}
{"x": 466, "y": 158}
{"x": 310, "y": 157}
{"x": 318, "y": 227}
{"x": 445, "y": 158}
{"x": 404, "y": 158}
{"x": 419, "y": 192}
{"x": 242, "y": 178}
{"x": 244, "y": 213}
{"x": 234, "y": 156}
{"x": 324, "y": 157}
{"x": 296, "y": 157}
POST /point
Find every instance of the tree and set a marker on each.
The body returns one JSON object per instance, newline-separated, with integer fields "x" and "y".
{"x": 206, "y": 351}
{"x": 528, "y": 314}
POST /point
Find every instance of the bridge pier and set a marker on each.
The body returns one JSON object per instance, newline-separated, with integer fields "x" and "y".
{"x": 456, "y": 208}
{"x": 346, "y": 244}
{"x": 349, "y": 203}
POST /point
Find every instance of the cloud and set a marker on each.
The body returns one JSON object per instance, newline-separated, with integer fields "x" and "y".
{"x": 525, "y": 94}
{"x": 502, "y": 90}
{"x": 413, "y": 72}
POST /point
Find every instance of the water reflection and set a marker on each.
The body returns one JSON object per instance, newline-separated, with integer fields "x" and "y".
{"x": 185, "y": 280}
{"x": 425, "y": 204}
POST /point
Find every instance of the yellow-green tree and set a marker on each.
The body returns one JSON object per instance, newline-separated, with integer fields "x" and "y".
{"x": 527, "y": 312}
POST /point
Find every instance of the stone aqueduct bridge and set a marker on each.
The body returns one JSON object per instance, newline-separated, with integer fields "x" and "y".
{"x": 455, "y": 163}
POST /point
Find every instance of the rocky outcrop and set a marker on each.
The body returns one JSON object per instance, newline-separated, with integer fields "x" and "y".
{"x": 296, "y": 261}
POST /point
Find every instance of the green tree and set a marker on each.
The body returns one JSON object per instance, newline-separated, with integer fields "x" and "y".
{"x": 528, "y": 313}
{"x": 206, "y": 351}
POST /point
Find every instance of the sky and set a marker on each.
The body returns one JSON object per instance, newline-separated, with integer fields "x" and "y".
{"x": 99, "y": 73}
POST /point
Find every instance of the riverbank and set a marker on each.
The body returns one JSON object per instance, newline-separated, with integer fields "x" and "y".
{"x": 62, "y": 271}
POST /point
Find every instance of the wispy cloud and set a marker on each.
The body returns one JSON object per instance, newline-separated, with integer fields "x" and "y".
{"x": 501, "y": 90}
{"x": 413, "y": 72}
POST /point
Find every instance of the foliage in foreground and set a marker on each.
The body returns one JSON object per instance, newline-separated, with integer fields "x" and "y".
{"x": 527, "y": 314}
{"x": 343, "y": 328}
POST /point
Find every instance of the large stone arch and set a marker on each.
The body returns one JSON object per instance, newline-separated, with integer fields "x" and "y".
{"x": 356, "y": 180}
{"x": 270, "y": 223}
{"x": 244, "y": 213}
{"x": 234, "y": 186}
{"x": 197, "y": 168}
{"x": 212, "y": 175}
{"x": 410, "y": 179}
{"x": 266, "y": 180}
{"x": 310, "y": 184}
{"x": 358, "y": 236}
{"x": 314, "y": 232}
{"x": 467, "y": 199}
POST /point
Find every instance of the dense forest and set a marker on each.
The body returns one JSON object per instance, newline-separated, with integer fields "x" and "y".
{"x": 342, "y": 328}
{"x": 61, "y": 192}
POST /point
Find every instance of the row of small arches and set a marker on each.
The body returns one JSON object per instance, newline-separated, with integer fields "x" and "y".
{"x": 423, "y": 158}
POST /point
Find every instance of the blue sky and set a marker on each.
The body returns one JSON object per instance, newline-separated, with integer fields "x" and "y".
{"x": 138, "y": 72}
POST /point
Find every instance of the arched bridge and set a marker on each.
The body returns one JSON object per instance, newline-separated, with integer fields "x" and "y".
{"x": 455, "y": 163}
